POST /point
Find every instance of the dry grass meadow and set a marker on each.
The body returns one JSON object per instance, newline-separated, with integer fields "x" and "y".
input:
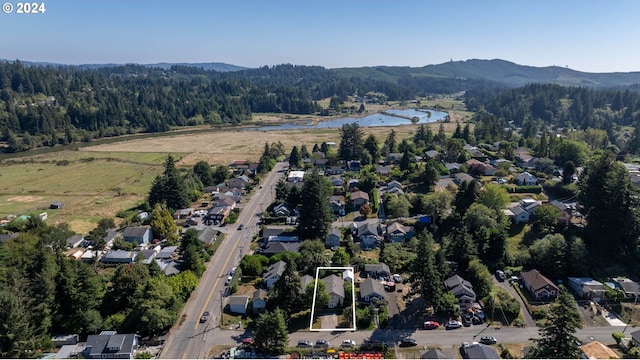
{"x": 98, "y": 181}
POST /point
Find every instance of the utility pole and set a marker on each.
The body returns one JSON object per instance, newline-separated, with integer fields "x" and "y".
{"x": 221, "y": 310}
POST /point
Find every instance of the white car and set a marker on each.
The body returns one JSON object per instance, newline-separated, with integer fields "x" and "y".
{"x": 348, "y": 344}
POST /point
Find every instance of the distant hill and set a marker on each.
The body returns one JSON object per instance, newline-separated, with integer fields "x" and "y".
{"x": 215, "y": 66}
{"x": 499, "y": 71}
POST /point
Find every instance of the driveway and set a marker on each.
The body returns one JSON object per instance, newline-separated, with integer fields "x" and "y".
{"x": 528, "y": 320}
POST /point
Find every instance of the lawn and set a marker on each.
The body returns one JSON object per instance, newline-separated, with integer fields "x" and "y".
{"x": 91, "y": 186}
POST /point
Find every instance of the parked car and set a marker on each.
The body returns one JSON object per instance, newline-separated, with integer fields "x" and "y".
{"x": 204, "y": 317}
{"x": 407, "y": 342}
{"x": 228, "y": 281}
{"x": 488, "y": 340}
{"x": 248, "y": 341}
{"x": 372, "y": 342}
{"x": 397, "y": 278}
{"x": 233, "y": 271}
{"x": 305, "y": 344}
{"x": 348, "y": 344}
{"x": 453, "y": 324}
{"x": 241, "y": 226}
{"x": 430, "y": 325}
{"x": 320, "y": 343}
{"x": 500, "y": 275}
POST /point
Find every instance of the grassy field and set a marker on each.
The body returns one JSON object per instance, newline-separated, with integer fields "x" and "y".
{"x": 95, "y": 181}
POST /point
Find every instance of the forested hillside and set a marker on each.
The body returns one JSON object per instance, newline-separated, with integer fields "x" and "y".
{"x": 539, "y": 107}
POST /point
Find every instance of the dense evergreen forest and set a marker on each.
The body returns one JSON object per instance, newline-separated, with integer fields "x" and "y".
{"x": 543, "y": 107}
{"x": 50, "y": 105}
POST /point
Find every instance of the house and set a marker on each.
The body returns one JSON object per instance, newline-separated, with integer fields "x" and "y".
{"x": 433, "y": 353}
{"x": 305, "y": 280}
{"x": 587, "y": 288}
{"x": 111, "y": 345}
{"x": 540, "y": 287}
{"x": 74, "y": 241}
{"x": 347, "y": 275}
{"x": 333, "y": 238}
{"x": 383, "y": 170}
{"x": 394, "y": 184}
{"x": 147, "y": 256}
{"x": 354, "y": 165}
{"x": 295, "y": 176}
{"x": 359, "y": 198}
{"x": 394, "y": 158}
{"x": 597, "y": 350}
{"x": 631, "y": 288}
{"x": 208, "y": 235}
{"x": 337, "y": 181}
{"x": 335, "y": 170}
{"x": 635, "y": 338}
{"x": 227, "y": 201}
{"x": 182, "y": 214}
{"x": 460, "y": 178}
{"x": 259, "y": 301}
{"x": 217, "y": 214}
{"x": 395, "y": 190}
{"x": 367, "y": 234}
{"x": 337, "y": 204}
{"x": 462, "y": 290}
{"x": 479, "y": 351}
{"x": 140, "y": 235}
{"x": 526, "y": 178}
{"x": 522, "y": 211}
{"x": 371, "y": 291}
{"x": 453, "y": 167}
{"x": 282, "y": 210}
{"x": 352, "y": 183}
{"x": 377, "y": 271}
{"x": 274, "y": 273}
{"x": 240, "y": 182}
{"x": 431, "y": 154}
{"x": 335, "y": 288}
{"x": 277, "y": 247}
{"x": 523, "y": 158}
{"x": 118, "y": 257}
{"x": 396, "y": 232}
{"x": 238, "y": 304}
{"x": 167, "y": 253}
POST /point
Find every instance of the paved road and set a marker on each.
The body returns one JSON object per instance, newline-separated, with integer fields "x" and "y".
{"x": 189, "y": 339}
{"x": 438, "y": 337}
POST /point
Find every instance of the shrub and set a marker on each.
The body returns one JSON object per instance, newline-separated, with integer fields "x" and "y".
{"x": 617, "y": 336}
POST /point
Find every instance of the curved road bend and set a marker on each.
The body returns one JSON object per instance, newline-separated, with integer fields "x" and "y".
{"x": 189, "y": 339}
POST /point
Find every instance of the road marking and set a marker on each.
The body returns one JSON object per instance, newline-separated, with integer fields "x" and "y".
{"x": 221, "y": 275}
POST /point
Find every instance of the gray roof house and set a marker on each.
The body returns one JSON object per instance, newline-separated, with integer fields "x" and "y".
{"x": 259, "y": 301}
{"x": 333, "y": 238}
{"x": 635, "y": 338}
{"x": 631, "y": 288}
{"x": 371, "y": 289}
{"x": 238, "y": 304}
{"x": 377, "y": 270}
{"x": 277, "y": 247}
{"x": 111, "y": 345}
{"x": 462, "y": 290}
{"x": 459, "y": 178}
{"x": 587, "y": 288}
{"x": 396, "y": 232}
{"x": 479, "y": 351}
{"x": 359, "y": 198}
{"x": 367, "y": 234}
{"x": 118, "y": 257}
{"x": 526, "y": 178}
{"x": 433, "y": 353}
{"x": 335, "y": 288}
{"x": 138, "y": 234}
{"x": 273, "y": 273}
{"x": 305, "y": 280}
{"x": 75, "y": 241}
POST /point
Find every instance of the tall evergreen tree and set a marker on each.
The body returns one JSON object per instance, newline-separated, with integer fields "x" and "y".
{"x": 557, "y": 337}
{"x": 351, "y": 142}
{"x": 294, "y": 158}
{"x": 371, "y": 145}
{"x": 316, "y": 214}
{"x": 425, "y": 277}
{"x": 271, "y": 335}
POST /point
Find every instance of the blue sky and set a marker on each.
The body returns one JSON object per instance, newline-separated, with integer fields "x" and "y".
{"x": 591, "y": 36}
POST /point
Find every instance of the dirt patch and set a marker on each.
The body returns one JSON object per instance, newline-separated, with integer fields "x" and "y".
{"x": 25, "y": 198}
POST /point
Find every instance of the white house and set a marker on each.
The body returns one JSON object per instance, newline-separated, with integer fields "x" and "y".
{"x": 273, "y": 273}
{"x": 238, "y": 304}
{"x": 526, "y": 179}
{"x": 295, "y": 176}
{"x": 335, "y": 288}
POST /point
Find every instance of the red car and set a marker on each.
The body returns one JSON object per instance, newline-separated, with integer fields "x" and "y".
{"x": 430, "y": 325}
{"x": 248, "y": 341}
